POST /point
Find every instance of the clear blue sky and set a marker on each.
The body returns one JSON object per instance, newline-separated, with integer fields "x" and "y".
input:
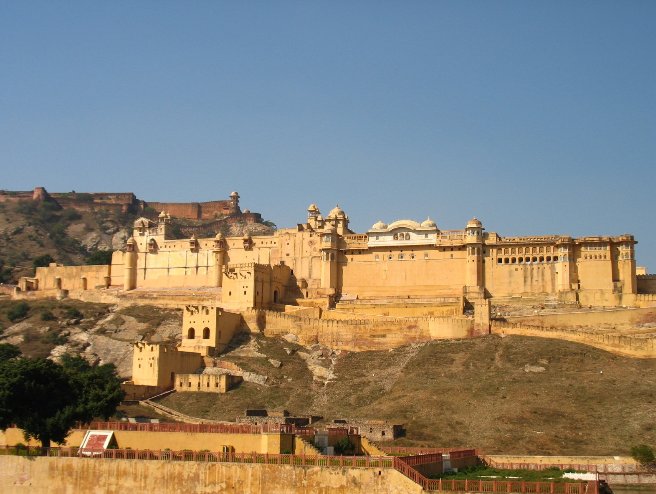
{"x": 537, "y": 117}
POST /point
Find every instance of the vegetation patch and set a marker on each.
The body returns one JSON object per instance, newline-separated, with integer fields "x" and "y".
{"x": 481, "y": 472}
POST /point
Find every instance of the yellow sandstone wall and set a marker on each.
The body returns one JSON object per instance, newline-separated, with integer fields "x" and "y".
{"x": 622, "y": 317}
{"x": 358, "y": 334}
{"x": 272, "y": 443}
{"x": 154, "y": 365}
{"x": 13, "y": 436}
{"x": 630, "y": 345}
{"x": 86, "y": 476}
{"x": 71, "y": 277}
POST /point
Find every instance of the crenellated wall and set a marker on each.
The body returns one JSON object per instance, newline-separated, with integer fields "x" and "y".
{"x": 358, "y": 334}
{"x": 633, "y": 345}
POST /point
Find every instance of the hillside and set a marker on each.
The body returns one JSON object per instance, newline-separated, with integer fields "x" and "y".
{"x": 31, "y": 230}
{"x": 513, "y": 394}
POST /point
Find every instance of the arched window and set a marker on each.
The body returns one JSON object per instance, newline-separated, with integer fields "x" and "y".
{"x": 206, "y": 333}
{"x": 191, "y": 334}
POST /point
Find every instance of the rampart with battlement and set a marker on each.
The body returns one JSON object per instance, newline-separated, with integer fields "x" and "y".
{"x": 629, "y": 344}
{"x": 127, "y": 202}
{"x": 380, "y": 333}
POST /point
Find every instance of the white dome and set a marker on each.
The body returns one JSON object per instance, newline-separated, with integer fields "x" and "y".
{"x": 379, "y": 225}
{"x": 428, "y": 223}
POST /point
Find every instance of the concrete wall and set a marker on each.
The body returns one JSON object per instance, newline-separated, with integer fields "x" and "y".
{"x": 82, "y": 476}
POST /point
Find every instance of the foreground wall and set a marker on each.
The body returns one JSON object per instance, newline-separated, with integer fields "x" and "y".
{"x": 64, "y": 475}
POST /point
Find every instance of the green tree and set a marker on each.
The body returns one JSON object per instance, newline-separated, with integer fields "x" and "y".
{"x": 99, "y": 388}
{"x": 46, "y": 399}
{"x": 42, "y": 261}
{"x": 99, "y": 257}
{"x": 38, "y": 397}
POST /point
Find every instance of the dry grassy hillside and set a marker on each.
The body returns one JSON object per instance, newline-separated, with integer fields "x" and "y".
{"x": 513, "y": 394}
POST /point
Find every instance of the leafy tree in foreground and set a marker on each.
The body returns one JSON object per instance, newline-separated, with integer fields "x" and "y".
{"x": 99, "y": 388}
{"x": 46, "y": 399}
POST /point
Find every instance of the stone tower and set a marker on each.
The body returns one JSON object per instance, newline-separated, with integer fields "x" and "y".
{"x": 474, "y": 245}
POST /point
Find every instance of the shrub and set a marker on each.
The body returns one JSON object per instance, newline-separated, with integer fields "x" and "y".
{"x": 42, "y": 261}
{"x": 643, "y": 454}
{"x": 71, "y": 215}
{"x": 18, "y": 311}
{"x": 46, "y": 315}
{"x": 100, "y": 257}
{"x": 73, "y": 313}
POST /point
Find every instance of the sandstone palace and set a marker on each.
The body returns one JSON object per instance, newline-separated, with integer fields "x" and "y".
{"x": 321, "y": 262}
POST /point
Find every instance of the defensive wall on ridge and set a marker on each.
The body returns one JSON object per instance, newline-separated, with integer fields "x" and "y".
{"x": 632, "y": 345}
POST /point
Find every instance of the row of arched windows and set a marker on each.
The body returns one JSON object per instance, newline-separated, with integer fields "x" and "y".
{"x": 526, "y": 260}
{"x": 191, "y": 333}
{"x": 401, "y": 236}
{"x": 527, "y": 250}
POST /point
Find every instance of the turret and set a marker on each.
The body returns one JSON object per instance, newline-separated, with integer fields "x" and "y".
{"x": 329, "y": 256}
{"x": 234, "y": 202}
{"x": 339, "y": 220}
{"x": 219, "y": 251}
{"x": 162, "y": 223}
{"x": 313, "y": 216}
{"x": 474, "y": 243}
{"x": 564, "y": 260}
{"x": 130, "y": 265}
{"x": 626, "y": 263}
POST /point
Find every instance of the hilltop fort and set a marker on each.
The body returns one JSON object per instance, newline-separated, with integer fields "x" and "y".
{"x": 127, "y": 202}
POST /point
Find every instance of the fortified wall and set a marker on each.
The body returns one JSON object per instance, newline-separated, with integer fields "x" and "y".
{"x": 127, "y": 202}
{"x": 358, "y": 334}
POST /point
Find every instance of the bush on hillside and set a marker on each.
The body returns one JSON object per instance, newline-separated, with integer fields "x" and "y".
{"x": 18, "y": 311}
